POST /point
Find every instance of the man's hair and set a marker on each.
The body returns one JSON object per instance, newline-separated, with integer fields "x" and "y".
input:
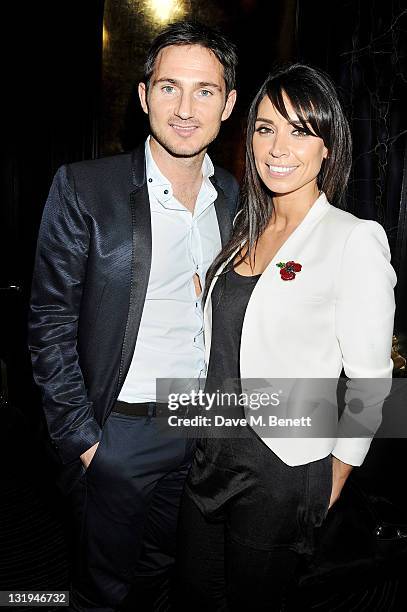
{"x": 194, "y": 33}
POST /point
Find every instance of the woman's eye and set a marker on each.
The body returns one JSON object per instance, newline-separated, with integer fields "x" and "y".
{"x": 299, "y": 132}
{"x": 263, "y": 129}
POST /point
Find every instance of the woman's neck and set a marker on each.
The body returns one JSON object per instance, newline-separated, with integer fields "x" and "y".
{"x": 291, "y": 208}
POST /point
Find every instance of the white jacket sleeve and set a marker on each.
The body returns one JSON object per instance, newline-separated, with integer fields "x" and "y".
{"x": 364, "y": 317}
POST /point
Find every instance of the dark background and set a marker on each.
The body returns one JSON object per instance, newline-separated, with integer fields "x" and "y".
{"x": 69, "y": 93}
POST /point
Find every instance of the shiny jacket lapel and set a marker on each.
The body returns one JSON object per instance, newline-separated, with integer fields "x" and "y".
{"x": 222, "y": 213}
{"x": 140, "y": 260}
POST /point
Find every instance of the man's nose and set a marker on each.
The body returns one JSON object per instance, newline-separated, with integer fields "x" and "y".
{"x": 279, "y": 146}
{"x": 185, "y": 106}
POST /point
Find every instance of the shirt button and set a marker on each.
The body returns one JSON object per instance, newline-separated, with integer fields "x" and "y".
{"x": 166, "y": 191}
{"x": 150, "y": 180}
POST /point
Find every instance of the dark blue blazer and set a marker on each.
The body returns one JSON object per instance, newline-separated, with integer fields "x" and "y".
{"x": 90, "y": 281}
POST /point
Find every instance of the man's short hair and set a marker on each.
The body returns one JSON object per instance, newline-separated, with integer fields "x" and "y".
{"x": 195, "y": 33}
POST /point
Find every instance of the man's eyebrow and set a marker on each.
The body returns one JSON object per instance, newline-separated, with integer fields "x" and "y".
{"x": 209, "y": 84}
{"x": 197, "y": 83}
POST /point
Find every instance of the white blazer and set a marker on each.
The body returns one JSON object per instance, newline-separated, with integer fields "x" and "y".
{"x": 337, "y": 312}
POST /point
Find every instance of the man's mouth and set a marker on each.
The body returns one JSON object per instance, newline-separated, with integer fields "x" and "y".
{"x": 184, "y": 130}
{"x": 280, "y": 171}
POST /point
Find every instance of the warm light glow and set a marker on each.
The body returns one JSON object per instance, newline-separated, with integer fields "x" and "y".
{"x": 166, "y": 10}
{"x": 105, "y": 36}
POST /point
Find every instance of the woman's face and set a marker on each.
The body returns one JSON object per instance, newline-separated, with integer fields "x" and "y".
{"x": 287, "y": 158}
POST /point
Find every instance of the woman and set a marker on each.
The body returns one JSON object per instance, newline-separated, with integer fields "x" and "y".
{"x": 303, "y": 289}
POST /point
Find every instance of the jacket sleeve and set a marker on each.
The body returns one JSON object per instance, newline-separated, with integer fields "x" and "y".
{"x": 59, "y": 272}
{"x": 364, "y": 327}
{"x": 230, "y": 188}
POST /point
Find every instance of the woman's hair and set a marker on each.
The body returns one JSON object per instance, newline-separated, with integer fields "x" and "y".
{"x": 314, "y": 99}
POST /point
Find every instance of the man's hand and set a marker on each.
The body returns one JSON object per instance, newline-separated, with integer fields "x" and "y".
{"x": 87, "y": 456}
{"x": 340, "y": 473}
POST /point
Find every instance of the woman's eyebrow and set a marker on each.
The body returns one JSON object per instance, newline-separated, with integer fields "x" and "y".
{"x": 293, "y": 122}
{"x": 264, "y": 120}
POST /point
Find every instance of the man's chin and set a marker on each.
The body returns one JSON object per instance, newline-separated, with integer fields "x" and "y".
{"x": 187, "y": 153}
{"x": 183, "y": 150}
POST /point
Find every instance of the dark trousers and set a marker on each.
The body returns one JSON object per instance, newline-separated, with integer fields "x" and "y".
{"x": 246, "y": 522}
{"x": 217, "y": 573}
{"x": 126, "y": 509}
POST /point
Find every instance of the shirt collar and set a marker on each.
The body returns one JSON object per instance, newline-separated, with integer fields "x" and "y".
{"x": 207, "y": 167}
{"x": 159, "y": 183}
{"x": 153, "y": 173}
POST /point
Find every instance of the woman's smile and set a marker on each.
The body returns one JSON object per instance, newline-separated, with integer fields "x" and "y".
{"x": 278, "y": 171}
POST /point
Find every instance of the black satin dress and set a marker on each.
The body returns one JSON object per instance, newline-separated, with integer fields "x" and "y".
{"x": 235, "y": 477}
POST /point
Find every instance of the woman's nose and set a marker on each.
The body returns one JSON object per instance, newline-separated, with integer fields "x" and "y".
{"x": 279, "y": 146}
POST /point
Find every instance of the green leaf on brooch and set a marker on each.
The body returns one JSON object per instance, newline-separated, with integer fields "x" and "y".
{"x": 280, "y": 265}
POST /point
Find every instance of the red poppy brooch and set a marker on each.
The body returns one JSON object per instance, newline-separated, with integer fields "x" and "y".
{"x": 289, "y": 270}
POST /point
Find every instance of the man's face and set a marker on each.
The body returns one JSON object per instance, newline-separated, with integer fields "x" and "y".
{"x": 186, "y": 101}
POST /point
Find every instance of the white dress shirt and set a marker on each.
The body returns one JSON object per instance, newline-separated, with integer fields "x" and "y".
{"x": 170, "y": 339}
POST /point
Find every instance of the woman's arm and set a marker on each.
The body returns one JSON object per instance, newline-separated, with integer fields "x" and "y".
{"x": 364, "y": 327}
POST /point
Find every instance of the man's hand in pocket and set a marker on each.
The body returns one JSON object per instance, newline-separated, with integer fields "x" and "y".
{"x": 87, "y": 456}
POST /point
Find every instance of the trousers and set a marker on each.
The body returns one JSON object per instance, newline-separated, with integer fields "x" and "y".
{"x": 246, "y": 522}
{"x": 218, "y": 573}
{"x": 125, "y": 508}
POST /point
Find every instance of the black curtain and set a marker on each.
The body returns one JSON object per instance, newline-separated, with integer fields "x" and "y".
{"x": 363, "y": 46}
{"x": 52, "y": 91}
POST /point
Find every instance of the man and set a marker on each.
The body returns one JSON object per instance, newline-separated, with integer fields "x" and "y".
{"x": 124, "y": 246}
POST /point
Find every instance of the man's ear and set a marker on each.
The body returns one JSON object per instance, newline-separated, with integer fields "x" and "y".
{"x": 230, "y": 102}
{"x": 142, "y": 94}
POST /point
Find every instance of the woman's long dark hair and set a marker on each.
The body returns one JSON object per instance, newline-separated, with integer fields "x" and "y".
{"x": 315, "y": 101}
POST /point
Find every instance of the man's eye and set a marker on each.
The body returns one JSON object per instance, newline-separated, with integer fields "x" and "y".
{"x": 168, "y": 89}
{"x": 205, "y": 93}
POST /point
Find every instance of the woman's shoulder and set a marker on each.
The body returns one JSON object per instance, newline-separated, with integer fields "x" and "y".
{"x": 348, "y": 222}
{"x": 343, "y": 216}
{"x": 354, "y": 236}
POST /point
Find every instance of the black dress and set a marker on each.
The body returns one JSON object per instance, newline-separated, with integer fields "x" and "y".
{"x": 236, "y": 478}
